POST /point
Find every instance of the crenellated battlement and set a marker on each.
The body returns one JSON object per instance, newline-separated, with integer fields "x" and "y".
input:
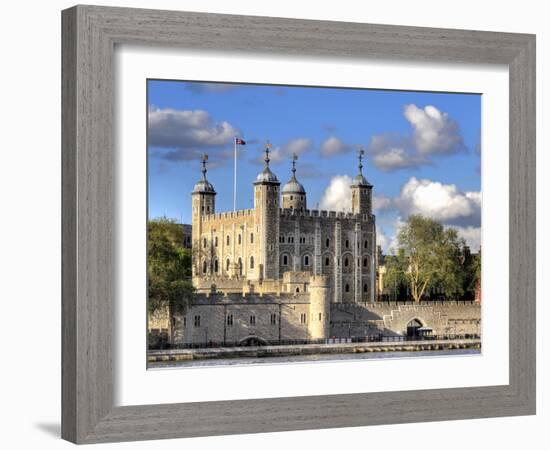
{"x": 219, "y": 298}
{"x": 228, "y": 215}
{"x": 286, "y": 212}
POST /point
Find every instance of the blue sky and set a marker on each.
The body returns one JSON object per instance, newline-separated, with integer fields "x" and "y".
{"x": 422, "y": 149}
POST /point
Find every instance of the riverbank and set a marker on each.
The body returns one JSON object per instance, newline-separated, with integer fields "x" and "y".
{"x": 158, "y": 358}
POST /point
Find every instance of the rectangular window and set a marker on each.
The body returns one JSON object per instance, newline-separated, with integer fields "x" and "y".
{"x": 252, "y": 320}
{"x": 197, "y": 321}
{"x": 273, "y": 319}
{"x": 303, "y": 318}
{"x": 230, "y": 319}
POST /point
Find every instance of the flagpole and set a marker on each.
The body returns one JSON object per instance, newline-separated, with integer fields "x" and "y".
{"x": 235, "y": 175}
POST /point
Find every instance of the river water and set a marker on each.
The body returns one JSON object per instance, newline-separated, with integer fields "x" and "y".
{"x": 311, "y": 358}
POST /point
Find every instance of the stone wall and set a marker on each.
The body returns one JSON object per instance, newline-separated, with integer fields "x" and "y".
{"x": 445, "y": 318}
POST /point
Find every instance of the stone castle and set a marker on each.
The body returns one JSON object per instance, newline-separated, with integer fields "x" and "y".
{"x": 282, "y": 272}
{"x": 276, "y": 246}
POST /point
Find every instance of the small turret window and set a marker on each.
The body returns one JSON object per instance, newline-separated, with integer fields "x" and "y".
{"x": 365, "y": 288}
{"x": 204, "y": 242}
{"x": 347, "y": 288}
{"x": 306, "y": 260}
{"x": 239, "y": 239}
{"x": 327, "y": 242}
{"x": 227, "y": 240}
{"x": 291, "y": 197}
{"x": 251, "y": 238}
{"x": 366, "y": 244}
{"x": 204, "y": 267}
{"x": 347, "y": 243}
{"x": 346, "y": 262}
{"x": 216, "y": 241}
{"x": 365, "y": 262}
{"x": 216, "y": 266}
{"x": 252, "y": 262}
{"x": 327, "y": 261}
{"x": 227, "y": 264}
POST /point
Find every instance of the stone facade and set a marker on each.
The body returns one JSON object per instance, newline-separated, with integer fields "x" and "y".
{"x": 250, "y": 250}
{"x": 236, "y": 319}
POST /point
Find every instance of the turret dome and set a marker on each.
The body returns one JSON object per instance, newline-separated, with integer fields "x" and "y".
{"x": 293, "y": 187}
{"x": 266, "y": 175}
{"x": 203, "y": 186}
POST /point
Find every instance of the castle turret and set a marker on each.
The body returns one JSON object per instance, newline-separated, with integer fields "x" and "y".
{"x": 319, "y": 307}
{"x": 203, "y": 203}
{"x": 266, "y": 205}
{"x": 361, "y": 191}
{"x": 294, "y": 194}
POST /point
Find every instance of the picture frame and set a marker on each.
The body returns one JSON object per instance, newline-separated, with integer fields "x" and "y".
{"x": 89, "y": 37}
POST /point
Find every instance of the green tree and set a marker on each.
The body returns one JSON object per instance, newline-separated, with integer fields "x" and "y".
{"x": 395, "y": 278}
{"x": 428, "y": 255}
{"x": 168, "y": 269}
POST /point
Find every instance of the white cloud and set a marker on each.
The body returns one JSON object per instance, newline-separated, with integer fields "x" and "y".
{"x": 396, "y": 158}
{"x": 184, "y": 129}
{"x": 442, "y": 202}
{"x": 381, "y": 203}
{"x": 337, "y": 196}
{"x": 333, "y": 146}
{"x": 472, "y": 236}
{"x": 391, "y": 152}
{"x": 283, "y": 153}
{"x": 433, "y": 131}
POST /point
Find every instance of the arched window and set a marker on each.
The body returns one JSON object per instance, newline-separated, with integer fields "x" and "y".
{"x": 347, "y": 243}
{"x": 204, "y": 242}
{"x": 216, "y": 266}
{"x": 216, "y": 241}
{"x": 252, "y": 262}
{"x": 204, "y": 267}
{"x": 239, "y": 239}
{"x": 227, "y": 240}
{"x": 327, "y": 261}
{"x": 366, "y": 244}
{"x": 365, "y": 288}
{"x": 347, "y": 288}
{"x": 297, "y": 289}
{"x": 346, "y": 262}
{"x": 285, "y": 260}
{"x": 251, "y": 238}
{"x": 240, "y": 266}
{"x": 227, "y": 265}
{"x": 291, "y": 197}
{"x": 327, "y": 242}
{"x": 306, "y": 260}
{"x": 365, "y": 262}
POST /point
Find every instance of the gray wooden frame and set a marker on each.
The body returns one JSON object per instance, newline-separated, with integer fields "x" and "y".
{"x": 90, "y": 34}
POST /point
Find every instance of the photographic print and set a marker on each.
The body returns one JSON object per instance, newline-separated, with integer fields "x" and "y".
{"x": 300, "y": 223}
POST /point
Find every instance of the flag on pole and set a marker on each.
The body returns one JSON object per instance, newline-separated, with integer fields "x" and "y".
{"x": 239, "y": 141}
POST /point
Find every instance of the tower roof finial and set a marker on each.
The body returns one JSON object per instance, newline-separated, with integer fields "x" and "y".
{"x": 203, "y": 185}
{"x": 204, "y": 170}
{"x": 267, "y": 150}
{"x": 360, "y": 180}
{"x": 294, "y": 159}
{"x": 360, "y": 154}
